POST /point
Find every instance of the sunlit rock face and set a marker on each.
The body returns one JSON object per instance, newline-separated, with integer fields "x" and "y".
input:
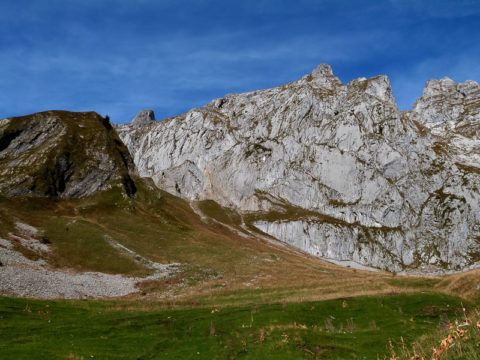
{"x": 377, "y": 186}
{"x": 452, "y": 112}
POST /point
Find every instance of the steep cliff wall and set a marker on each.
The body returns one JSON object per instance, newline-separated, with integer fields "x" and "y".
{"x": 384, "y": 188}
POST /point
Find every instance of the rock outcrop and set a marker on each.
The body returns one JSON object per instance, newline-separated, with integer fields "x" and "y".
{"x": 452, "y": 112}
{"x": 62, "y": 154}
{"x": 143, "y": 117}
{"x": 367, "y": 182}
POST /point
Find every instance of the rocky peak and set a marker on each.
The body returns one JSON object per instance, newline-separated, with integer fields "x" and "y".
{"x": 452, "y": 113}
{"x": 322, "y": 76}
{"x": 62, "y": 154}
{"x": 335, "y": 170}
{"x": 469, "y": 87}
{"x": 443, "y": 83}
{"x": 381, "y": 88}
{"x": 143, "y": 117}
{"x": 445, "y": 103}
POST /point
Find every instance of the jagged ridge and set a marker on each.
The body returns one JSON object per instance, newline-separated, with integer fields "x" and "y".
{"x": 402, "y": 199}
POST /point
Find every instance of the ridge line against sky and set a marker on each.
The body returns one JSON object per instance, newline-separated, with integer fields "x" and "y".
{"x": 117, "y": 57}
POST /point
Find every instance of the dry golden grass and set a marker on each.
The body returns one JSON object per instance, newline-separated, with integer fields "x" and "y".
{"x": 465, "y": 284}
{"x": 457, "y": 339}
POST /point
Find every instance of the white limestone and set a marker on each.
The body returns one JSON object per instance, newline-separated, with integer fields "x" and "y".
{"x": 394, "y": 190}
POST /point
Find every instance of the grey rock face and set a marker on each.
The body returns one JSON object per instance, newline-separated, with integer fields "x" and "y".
{"x": 62, "y": 154}
{"x": 452, "y": 113}
{"x": 369, "y": 183}
{"x": 143, "y": 117}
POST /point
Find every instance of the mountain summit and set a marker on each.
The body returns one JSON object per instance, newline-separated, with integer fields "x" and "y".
{"x": 143, "y": 117}
{"x": 62, "y": 154}
{"x": 323, "y": 76}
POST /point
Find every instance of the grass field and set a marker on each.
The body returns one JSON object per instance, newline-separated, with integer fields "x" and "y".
{"x": 351, "y": 328}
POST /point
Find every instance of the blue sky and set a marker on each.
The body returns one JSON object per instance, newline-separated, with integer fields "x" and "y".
{"x": 117, "y": 57}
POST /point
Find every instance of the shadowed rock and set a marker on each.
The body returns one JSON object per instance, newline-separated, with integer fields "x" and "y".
{"x": 143, "y": 117}
{"x": 62, "y": 154}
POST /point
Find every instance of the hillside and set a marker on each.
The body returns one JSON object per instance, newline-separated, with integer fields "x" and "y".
{"x": 62, "y": 154}
{"x": 74, "y": 223}
{"x": 155, "y": 245}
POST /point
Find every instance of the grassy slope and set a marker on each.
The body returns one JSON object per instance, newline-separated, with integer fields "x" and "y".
{"x": 358, "y": 328}
{"x": 244, "y": 277}
{"x": 219, "y": 265}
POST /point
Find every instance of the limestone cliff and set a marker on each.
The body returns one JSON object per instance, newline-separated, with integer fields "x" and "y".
{"x": 370, "y": 183}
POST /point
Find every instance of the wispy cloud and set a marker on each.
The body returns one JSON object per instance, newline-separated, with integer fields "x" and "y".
{"x": 118, "y": 56}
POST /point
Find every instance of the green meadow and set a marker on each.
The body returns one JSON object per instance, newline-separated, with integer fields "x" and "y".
{"x": 349, "y": 328}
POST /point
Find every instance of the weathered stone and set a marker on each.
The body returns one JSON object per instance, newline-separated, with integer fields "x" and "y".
{"x": 62, "y": 154}
{"x": 143, "y": 117}
{"x": 380, "y": 187}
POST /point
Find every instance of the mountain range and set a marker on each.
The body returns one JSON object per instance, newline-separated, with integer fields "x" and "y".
{"x": 333, "y": 170}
